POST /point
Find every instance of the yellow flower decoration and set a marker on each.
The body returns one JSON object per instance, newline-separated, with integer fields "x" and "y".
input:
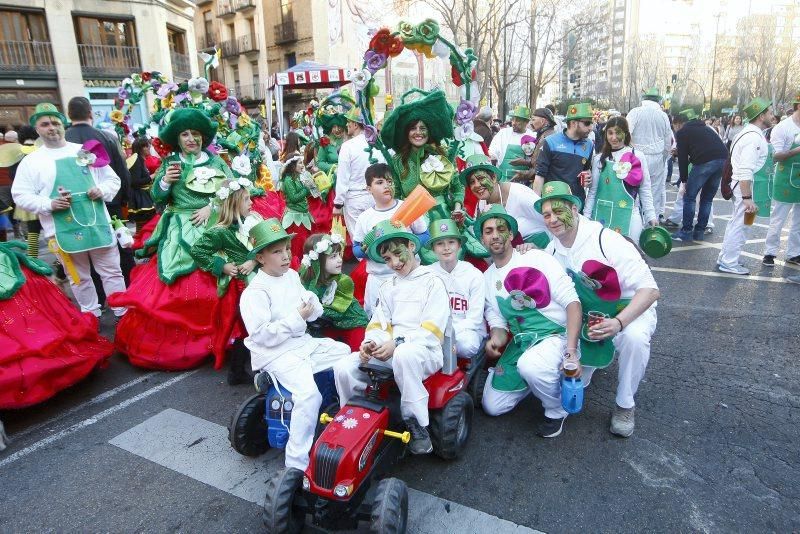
{"x": 243, "y": 120}
{"x": 548, "y": 189}
{"x": 275, "y": 228}
{"x": 166, "y": 102}
{"x": 117, "y": 116}
{"x": 397, "y": 224}
{"x": 623, "y": 204}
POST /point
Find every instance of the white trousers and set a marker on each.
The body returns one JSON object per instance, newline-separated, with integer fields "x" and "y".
{"x": 778, "y": 215}
{"x": 677, "y": 212}
{"x": 296, "y": 374}
{"x": 106, "y": 263}
{"x": 356, "y": 203}
{"x": 468, "y": 343}
{"x": 735, "y": 233}
{"x": 656, "y": 164}
{"x": 411, "y": 364}
{"x": 374, "y": 282}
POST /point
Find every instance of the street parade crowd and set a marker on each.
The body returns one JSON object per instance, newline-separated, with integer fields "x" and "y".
{"x": 352, "y": 240}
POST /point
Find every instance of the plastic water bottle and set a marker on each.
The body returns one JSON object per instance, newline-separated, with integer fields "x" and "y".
{"x": 571, "y": 394}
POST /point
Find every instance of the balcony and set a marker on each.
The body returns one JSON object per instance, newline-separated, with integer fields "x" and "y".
{"x": 226, "y": 8}
{"x": 180, "y": 65}
{"x": 26, "y": 57}
{"x": 244, "y": 5}
{"x": 230, "y": 48}
{"x": 247, "y": 93}
{"x": 108, "y": 61}
{"x": 205, "y": 41}
{"x": 286, "y": 32}
{"x": 241, "y": 45}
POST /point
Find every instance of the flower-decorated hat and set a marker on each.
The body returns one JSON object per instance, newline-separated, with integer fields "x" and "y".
{"x": 521, "y": 112}
{"x": 432, "y": 109}
{"x": 559, "y": 190}
{"x": 444, "y": 229}
{"x": 45, "y": 109}
{"x": 266, "y": 233}
{"x": 756, "y": 107}
{"x": 184, "y": 119}
{"x": 579, "y": 112}
{"x": 652, "y": 94}
{"x": 496, "y": 211}
{"x": 477, "y": 162}
{"x": 384, "y": 231}
{"x": 689, "y": 114}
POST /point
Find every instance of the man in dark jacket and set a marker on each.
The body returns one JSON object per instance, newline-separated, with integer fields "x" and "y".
{"x": 481, "y": 124}
{"x": 544, "y": 124}
{"x": 81, "y": 130}
{"x": 702, "y": 147}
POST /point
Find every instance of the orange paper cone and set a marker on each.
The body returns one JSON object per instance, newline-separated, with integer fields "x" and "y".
{"x": 414, "y": 206}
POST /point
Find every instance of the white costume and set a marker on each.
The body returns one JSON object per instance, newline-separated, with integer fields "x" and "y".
{"x": 417, "y": 309}
{"x": 502, "y": 139}
{"x": 351, "y": 186}
{"x": 747, "y": 158}
{"x": 32, "y": 190}
{"x": 465, "y": 286}
{"x": 651, "y": 136}
{"x": 378, "y": 273}
{"x": 538, "y": 365}
{"x": 782, "y": 138}
{"x": 519, "y": 205}
{"x": 279, "y": 344}
{"x": 644, "y": 199}
{"x": 632, "y": 344}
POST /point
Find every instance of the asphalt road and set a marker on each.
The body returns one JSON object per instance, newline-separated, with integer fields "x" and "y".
{"x": 715, "y": 447}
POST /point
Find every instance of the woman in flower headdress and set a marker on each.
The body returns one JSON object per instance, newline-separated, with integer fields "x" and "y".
{"x": 620, "y": 196}
{"x": 169, "y": 324}
{"x": 296, "y": 185}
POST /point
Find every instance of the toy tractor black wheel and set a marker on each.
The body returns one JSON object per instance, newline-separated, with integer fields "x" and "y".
{"x": 248, "y": 429}
{"x": 451, "y": 426}
{"x": 281, "y": 514}
{"x": 477, "y": 385}
{"x": 390, "y": 507}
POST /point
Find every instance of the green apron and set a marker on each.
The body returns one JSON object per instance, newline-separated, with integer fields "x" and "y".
{"x": 594, "y": 353}
{"x": 85, "y": 225}
{"x": 763, "y": 182}
{"x": 528, "y": 327}
{"x": 507, "y": 171}
{"x": 786, "y": 186}
{"x": 614, "y": 206}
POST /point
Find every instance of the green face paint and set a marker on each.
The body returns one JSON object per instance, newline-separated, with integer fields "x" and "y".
{"x": 402, "y": 253}
{"x": 488, "y": 184}
{"x": 563, "y": 212}
{"x": 503, "y": 230}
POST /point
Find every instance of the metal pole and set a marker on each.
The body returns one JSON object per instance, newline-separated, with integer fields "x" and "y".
{"x": 713, "y": 68}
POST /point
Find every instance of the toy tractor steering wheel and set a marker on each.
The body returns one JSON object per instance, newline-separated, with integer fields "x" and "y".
{"x": 377, "y": 374}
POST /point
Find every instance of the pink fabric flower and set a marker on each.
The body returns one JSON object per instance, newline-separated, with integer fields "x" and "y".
{"x": 635, "y": 176}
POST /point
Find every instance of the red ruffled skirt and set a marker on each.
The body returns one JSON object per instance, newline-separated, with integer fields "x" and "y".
{"x": 270, "y": 205}
{"x": 351, "y": 336}
{"x": 46, "y": 343}
{"x": 167, "y": 327}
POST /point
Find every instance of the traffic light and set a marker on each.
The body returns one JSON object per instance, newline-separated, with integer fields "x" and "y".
{"x": 388, "y": 98}
{"x": 674, "y": 78}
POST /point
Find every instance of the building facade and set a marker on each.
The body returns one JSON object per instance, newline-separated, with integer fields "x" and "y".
{"x": 53, "y": 50}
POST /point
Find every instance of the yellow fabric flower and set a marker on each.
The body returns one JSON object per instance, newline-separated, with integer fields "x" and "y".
{"x": 117, "y": 116}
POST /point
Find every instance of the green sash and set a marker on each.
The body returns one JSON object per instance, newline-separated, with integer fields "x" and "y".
{"x": 613, "y": 205}
{"x": 763, "y": 182}
{"x": 507, "y": 170}
{"x": 528, "y": 327}
{"x": 85, "y": 224}
{"x": 594, "y": 353}
{"x": 787, "y": 180}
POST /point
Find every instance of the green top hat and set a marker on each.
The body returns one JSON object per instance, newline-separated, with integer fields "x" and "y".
{"x": 432, "y": 109}
{"x": 384, "y": 231}
{"x": 557, "y": 189}
{"x": 652, "y": 94}
{"x": 655, "y": 241}
{"x": 329, "y": 121}
{"x": 266, "y": 233}
{"x": 477, "y": 162}
{"x": 579, "y": 111}
{"x": 688, "y": 114}
{"x": 184, "y": 119}
{"x": 444, "y": 229}
{"x": 44, "y": 109}
{"x": 354, "y": 115}
{"x": 521, "y": 112}
{"x": 496, "y": 211}
{"x": 756, "y": 107}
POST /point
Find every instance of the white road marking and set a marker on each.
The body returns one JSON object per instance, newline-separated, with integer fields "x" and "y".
{"x": 91, "y": 402}
{"x": 200, "y": 450}
{"x": 92, "y": 420}
{"x": 720, "y": 275}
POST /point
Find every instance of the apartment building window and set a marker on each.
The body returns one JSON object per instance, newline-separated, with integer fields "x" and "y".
{"x": 106, "y": 46}
{"x": 24, "y": 43}
{"x": 231, "y": 32}
{"x": 286, "y": 11}
{"x": 108, "y": 32}
{"x": 177, "y": 40}
{"x": 22, "y": 26}
{"x": 251, "y": 24}
{"x": 291, "y": 60}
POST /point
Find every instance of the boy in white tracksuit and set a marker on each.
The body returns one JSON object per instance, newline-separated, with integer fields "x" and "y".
{"x": 406, "y": 330}
{"x": 464, "y": 284}
{"x": 275, "y": 308}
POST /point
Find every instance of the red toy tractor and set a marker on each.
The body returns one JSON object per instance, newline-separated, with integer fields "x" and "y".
{"x": 344, "y": 482}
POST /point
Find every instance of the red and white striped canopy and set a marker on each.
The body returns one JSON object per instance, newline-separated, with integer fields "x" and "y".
{"x": 310, "y": 74}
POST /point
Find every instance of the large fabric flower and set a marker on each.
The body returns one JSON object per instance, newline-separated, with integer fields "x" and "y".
{"x": 465, "y": 112}
{"x": 232, "y": 106}
{"x": 427, "y": 31}
{"x": 217, "y": 92}
{"x": 630, "y": 169}
{"x": 370, "y": 134}
{"x": 241, "y": 165}
{"x": 464, "y": 131}
{"x": 324, "y": 142}
{"x": 375, "y": 61}
{"x": 440, "y": 49}
{"x": 406, "y": 30}
{"x": 432, "y": 164}
{"x": 381, "y": 41}
{"x": 199, "y": 85}
{"x": 361, "y": 78}
{"x": 117, "y": 116}
{"x": 166, "y": 89}
{"x": 162, "y": 148}
{"x": 123, "y": 93}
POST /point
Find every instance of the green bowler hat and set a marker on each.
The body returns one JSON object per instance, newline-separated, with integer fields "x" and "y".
{"x": 384, "y": 231}
{"x": 496, "y": 211}
{"x": 655, "y": 241}
{"x": 689, "y": 114}
{"x": 184, "y": 119}
{"x": 652, "y": 94}
{"x": 557, "y": 190}
{"x": 756, "y": 107}
{"x": 521, "y": 112}
{"x": 47, "y": 109}
{"x": 444, "y": 229}
{"x": 266, "y": 233}
{"x": 477, "y": 162}
{"x": 579, "y": 112}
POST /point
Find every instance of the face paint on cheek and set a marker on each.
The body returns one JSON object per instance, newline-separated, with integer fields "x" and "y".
{"x": 402, "y": 253}
{"x": 504, "y": 231}
{"x": 488, "y": 184}
{"x": 563, "y": 213}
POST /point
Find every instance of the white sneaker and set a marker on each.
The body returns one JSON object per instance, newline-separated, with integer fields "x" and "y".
{"x": 735, "y": 269}
{"x": 623, "y": 421}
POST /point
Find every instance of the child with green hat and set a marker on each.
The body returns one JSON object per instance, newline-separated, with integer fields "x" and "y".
{"x": 406, "y": 330}
{"x": 275, "y": 308}
{"x": 464, "y": 284}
